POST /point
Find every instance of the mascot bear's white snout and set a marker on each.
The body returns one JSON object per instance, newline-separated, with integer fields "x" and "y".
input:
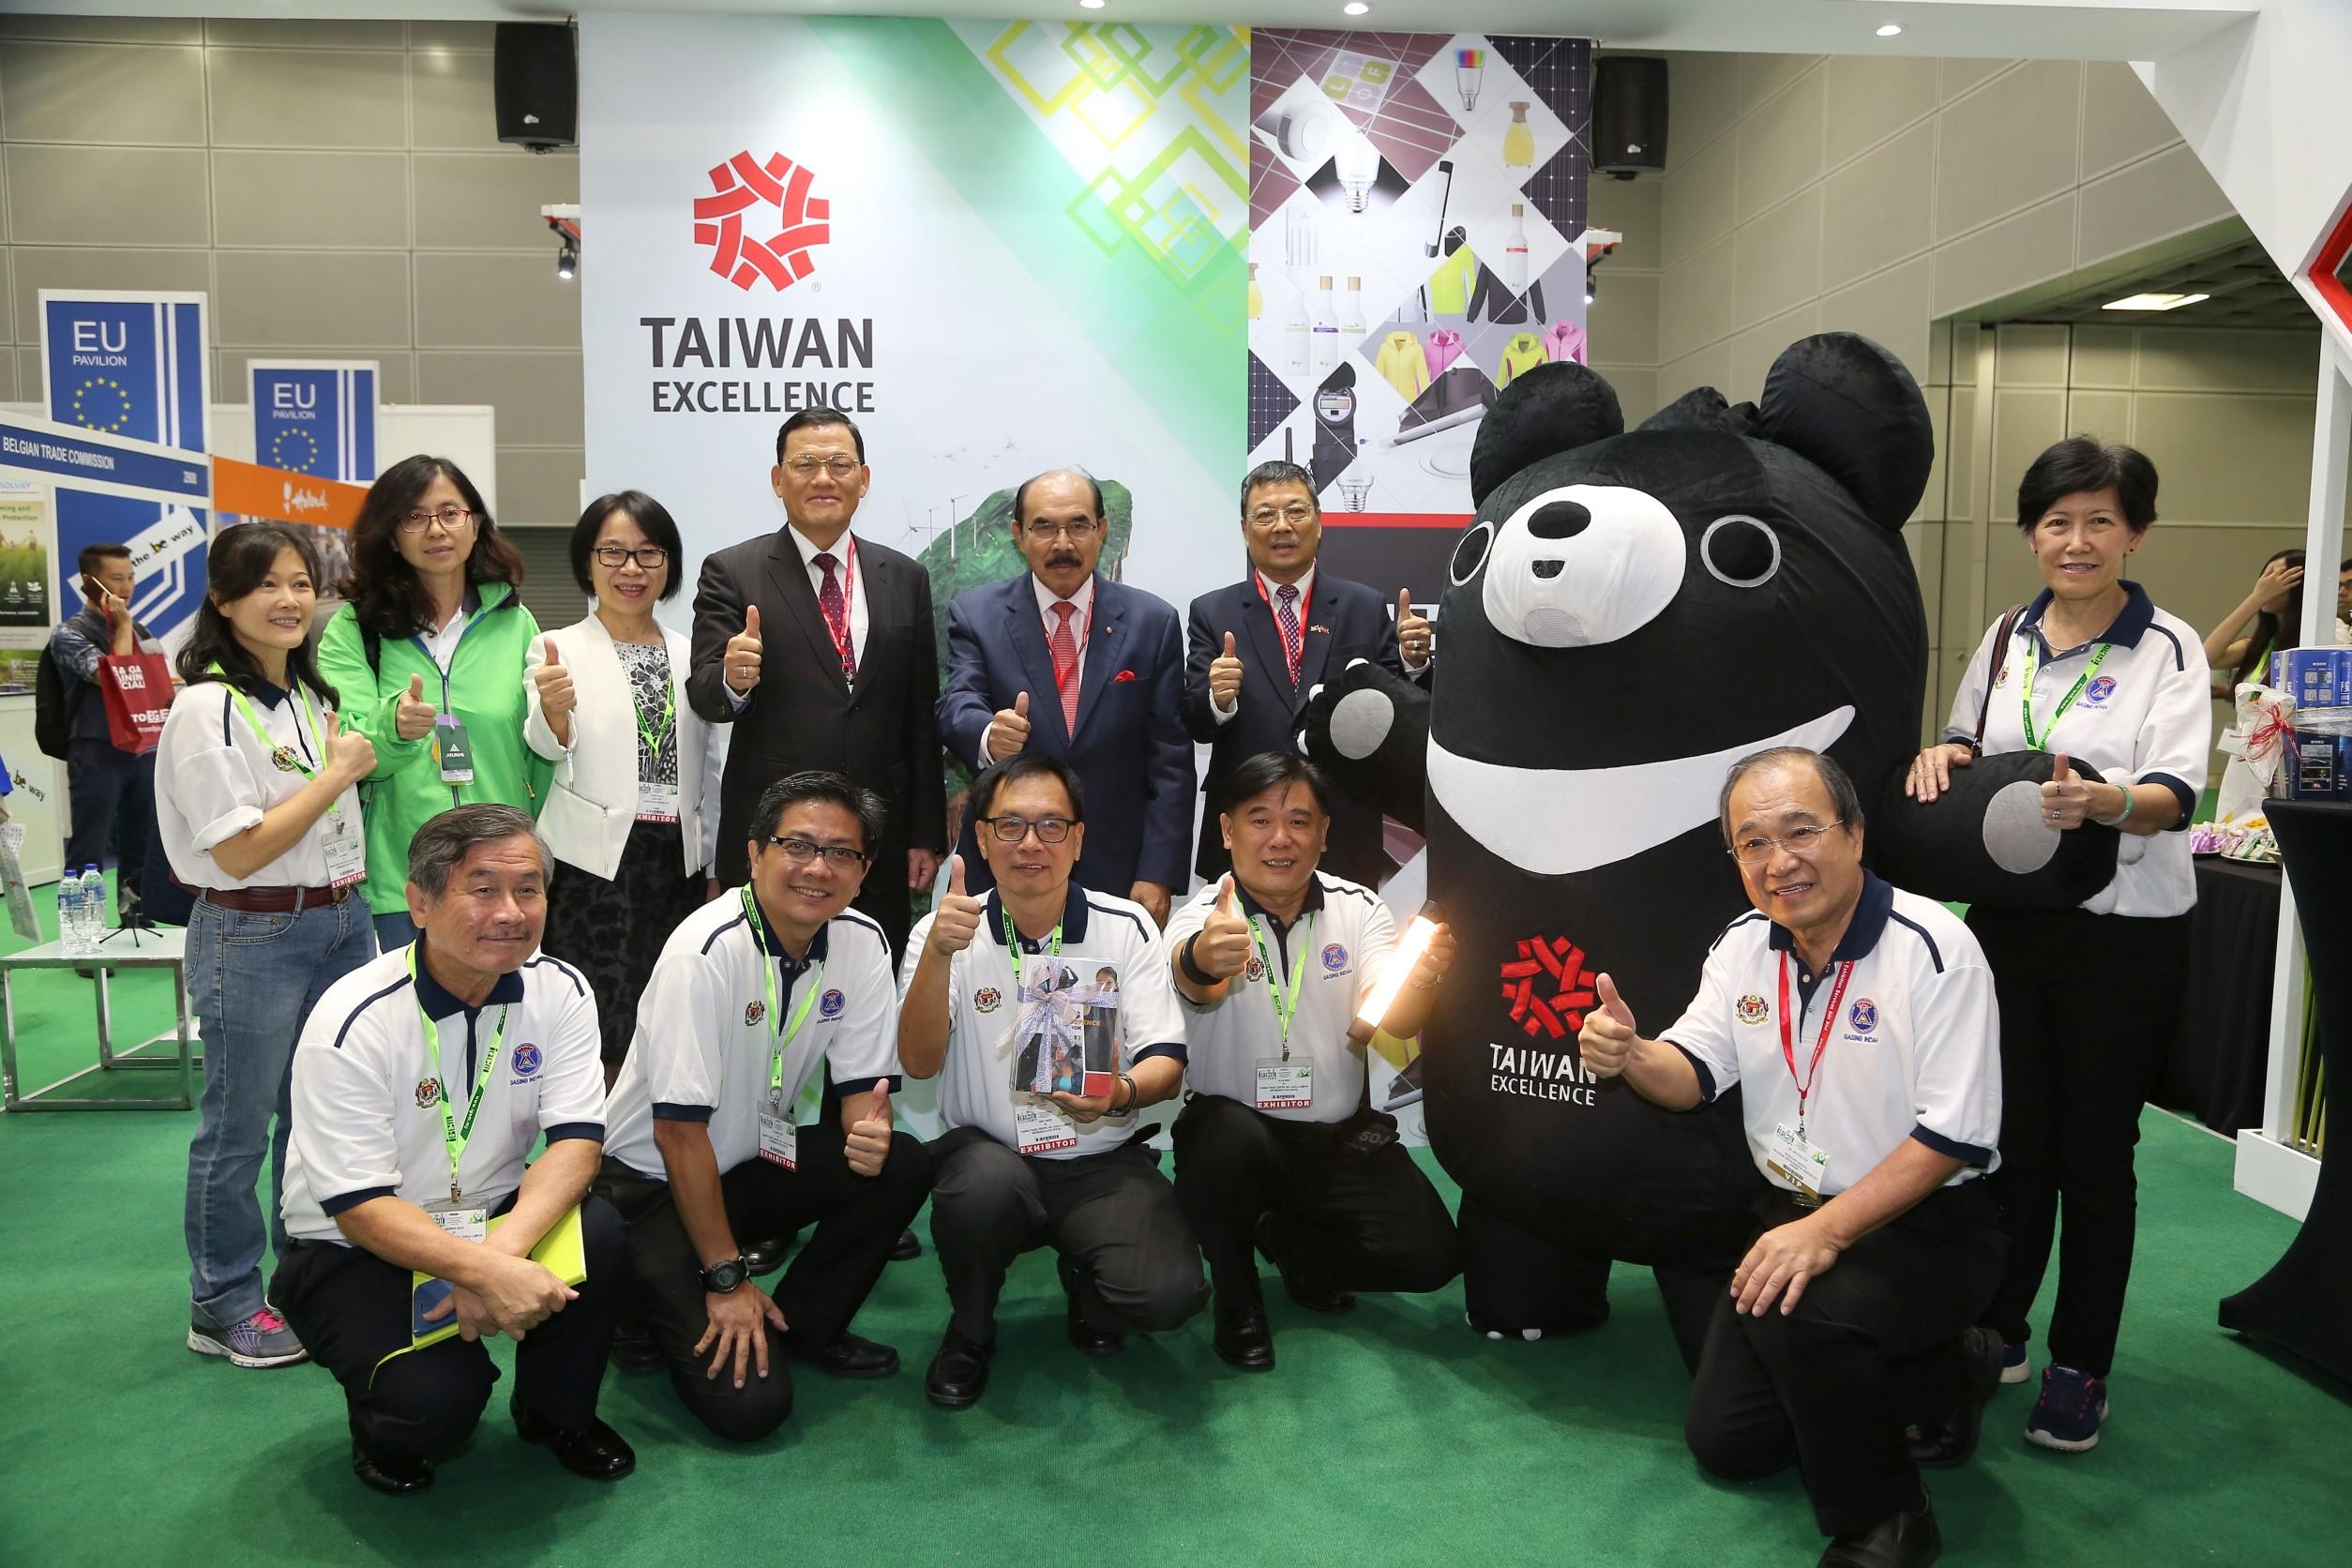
{"x": 1578, "y": 566}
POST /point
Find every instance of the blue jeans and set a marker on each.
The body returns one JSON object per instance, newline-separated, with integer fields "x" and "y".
{"x": 252, "y": 980}
{"x": 394, "y": 929}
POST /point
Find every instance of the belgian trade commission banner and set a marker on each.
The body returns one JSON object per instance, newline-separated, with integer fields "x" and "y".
{"x": 1000, "y": 247}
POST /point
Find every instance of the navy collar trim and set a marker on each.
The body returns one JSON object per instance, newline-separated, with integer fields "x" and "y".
{"x": 2130, "y": 625}
{"x": 1313, "y": 901}
{"x": 261, "y": 690}
{"x": 1073, "y": 919}
{"x": 763, "y": 936}
{"x": 438, "y": 1002}
{"x": 1863, "y": 931}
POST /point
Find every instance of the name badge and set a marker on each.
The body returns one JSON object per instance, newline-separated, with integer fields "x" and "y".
{"x": 346, "y": 849}
{"x": 779, "y": 1139}
{"x": 656, "y": 803}
{"x": 467, "y": 1222}
{"x": 454, "y": 752}
{"x": 1285, "y": 1085}
{"x": 1040, "y": 1128}
{"x": 1799, "y": 1163}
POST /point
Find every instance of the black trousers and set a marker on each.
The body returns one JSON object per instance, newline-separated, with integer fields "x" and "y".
{"x": 350, "y": 1309}
{"x": 1872, "y": 1347}
{"x": 857, "y": 1218}
{"x": 1347, "y": 1221}
{"x": 1111, "y": 1216}
{"x": 105, "y": 788}
{"x": 2088, "y": 1006}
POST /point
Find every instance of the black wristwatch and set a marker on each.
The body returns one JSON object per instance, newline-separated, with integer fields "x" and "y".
{"x": 725, "y": 1276}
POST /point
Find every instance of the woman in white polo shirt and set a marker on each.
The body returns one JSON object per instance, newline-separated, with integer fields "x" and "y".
{"x": 2091, "y": 671}
{"x": 624, "y": 814}
{"x": 257, "y": 809}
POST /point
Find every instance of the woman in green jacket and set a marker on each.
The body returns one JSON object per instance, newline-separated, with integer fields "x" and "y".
{"x": 429, "y": 651}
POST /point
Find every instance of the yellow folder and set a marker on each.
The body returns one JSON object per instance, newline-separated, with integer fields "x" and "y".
{"x": 563, "y": 1252}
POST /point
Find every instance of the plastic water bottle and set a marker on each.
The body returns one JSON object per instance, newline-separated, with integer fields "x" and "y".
{"x": 69, "y": 913}
{"x": 93, "y": 908}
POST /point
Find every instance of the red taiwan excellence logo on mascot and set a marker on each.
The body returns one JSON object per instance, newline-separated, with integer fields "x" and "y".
{"x": 760, "y": 221}
{"x": 1548, "y": 986}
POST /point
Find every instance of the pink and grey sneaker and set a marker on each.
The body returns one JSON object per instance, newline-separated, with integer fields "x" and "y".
{"x": 2068, "y": 1415}
{"x": 261, "y": 1340}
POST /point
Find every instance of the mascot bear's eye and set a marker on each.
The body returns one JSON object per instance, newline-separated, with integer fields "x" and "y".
{"x": 1740, "y": 550}
{"x": 1471, "y": 553}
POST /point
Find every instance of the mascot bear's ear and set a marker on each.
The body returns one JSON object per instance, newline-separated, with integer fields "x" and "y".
{"x": 1702, "y": 408}
{"x": 1849, "y": 406}
{"x": 1546, "y": 411}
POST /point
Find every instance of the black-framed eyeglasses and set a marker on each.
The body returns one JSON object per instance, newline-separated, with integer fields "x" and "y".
{"x": 1083, "y": 528}
{"x": 1012, "y": 830}
{"x": 806, "y": 463}
{"x": 1298, "y": 515}
{"x": 1757, "y": 847}
{"x": 651, "y": 557}
{"x": 450, "y": 518}
{"x": 800, "y": 851}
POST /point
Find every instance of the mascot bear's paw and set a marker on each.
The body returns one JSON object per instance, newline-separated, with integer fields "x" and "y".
{"x": 1369, "y": 729}
{"x": 1986, "y": 840}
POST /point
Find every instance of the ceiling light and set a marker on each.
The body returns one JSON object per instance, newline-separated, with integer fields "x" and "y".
{"x": 2153, "y": 301}
{"x": 567, "y": 261}
{"x": 1092, "y": 5}
{"x": 1890, "y": 29}
{"x": 1355, "y": 8}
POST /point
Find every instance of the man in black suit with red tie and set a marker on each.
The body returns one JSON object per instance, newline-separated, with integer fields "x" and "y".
{"x": 1253, "y": 651}
{"x": 818, "y": 647}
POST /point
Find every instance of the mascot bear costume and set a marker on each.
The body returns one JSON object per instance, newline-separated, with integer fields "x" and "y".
{"x": 1628, "y": 614}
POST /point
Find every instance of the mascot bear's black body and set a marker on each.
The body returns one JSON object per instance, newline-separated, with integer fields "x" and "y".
{"x": 1629, "y": 614}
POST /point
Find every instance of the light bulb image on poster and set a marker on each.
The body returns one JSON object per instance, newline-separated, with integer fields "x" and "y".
{"x": 1358, "y": 164}
{"x": 1468, "y": 71}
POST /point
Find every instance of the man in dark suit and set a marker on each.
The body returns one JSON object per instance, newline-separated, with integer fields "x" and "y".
{"x": 1253, "y": 651}
{"x": 817, "y": 646}
{"x": 1084, "y": 669}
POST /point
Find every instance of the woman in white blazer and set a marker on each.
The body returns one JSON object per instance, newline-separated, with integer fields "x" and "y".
{"x": 624, "y": 813}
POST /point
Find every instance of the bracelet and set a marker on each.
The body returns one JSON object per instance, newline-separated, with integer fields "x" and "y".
{"x": 1135, "y": 1096}
{"x": 1192, "y": 972}
{"x": 2128, "y": 804}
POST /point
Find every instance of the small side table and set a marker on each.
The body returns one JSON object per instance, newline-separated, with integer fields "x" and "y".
{"x": 152, "y": 949}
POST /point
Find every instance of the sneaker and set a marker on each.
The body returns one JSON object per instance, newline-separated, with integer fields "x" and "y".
{"x": 261, "y": 1340}
{"x": 2015, "y": 1368}
{"x": 2068, "y": 1415}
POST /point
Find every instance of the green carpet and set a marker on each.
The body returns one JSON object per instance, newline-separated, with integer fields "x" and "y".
{"x": 1393, "y": 1435}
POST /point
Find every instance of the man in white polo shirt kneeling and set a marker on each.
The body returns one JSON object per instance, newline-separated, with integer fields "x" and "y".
{"x": 420, "y": 1083}
{"x": 1860, "y": 1023}
{"x": 1050, "y": 1006}
{"x": 718, "y": 1124}
{"x": 1278, "y": 1148}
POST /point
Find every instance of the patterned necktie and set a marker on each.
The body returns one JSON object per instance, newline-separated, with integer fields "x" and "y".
{"x": 1287, "y": 617}
{"x": 1065, "y": 658}
{"x": 837, "y": 608}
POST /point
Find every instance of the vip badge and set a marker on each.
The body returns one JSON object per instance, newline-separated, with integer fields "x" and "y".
{"x": 754, "y": 1013}
{"x": 1751, "y": 1009}
{"x": 428, "y": 1093}
{"x": 526, "y": 1060}
{"x": 986, "y": 999}
{"x": 1863, "y": 1015}
{"x": 829, "y": 1005}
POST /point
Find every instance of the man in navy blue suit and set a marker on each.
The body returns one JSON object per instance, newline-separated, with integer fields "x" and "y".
{"x": 1078, "y": 666}
{"x": 1255, "y": 649}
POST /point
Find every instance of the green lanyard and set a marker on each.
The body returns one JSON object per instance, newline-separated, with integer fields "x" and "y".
{"x": 1286, "y": 1006}
{"x": 800, "y": 1014}
{"x": 455, "y": 1134}
{"x": 1012, "y": 946}
{"x": 654, "y": 737}
{"x": 2026, "y": 698}
{"x": 254, "y": 721}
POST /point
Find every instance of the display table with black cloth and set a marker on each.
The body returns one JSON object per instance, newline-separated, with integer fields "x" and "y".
{"x": 2300, "y": 1304}
{"x": 2215, "y": 1065}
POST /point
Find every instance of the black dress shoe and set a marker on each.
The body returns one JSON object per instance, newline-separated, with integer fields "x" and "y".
{"x": 594, "y": 1450}
{"x": 1898, "y": 1541}
{"x": 905, "y": 1248}
{"x": 1242, "y": 1337}
{"x": 395, "y": 1475}
{"x": 960, "y": 1372}
{"x": 845, "y": 1356}
{"x": 764, "y": 1258}
{"x": 1090, "y": 1341}
{"x": 1301, "y": 1289}
{"x": 1950, "y": 1441}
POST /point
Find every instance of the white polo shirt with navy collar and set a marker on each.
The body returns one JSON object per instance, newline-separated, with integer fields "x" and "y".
{"x": 366, "y": 1105}
{"x": 1348, "y": 937}
{"x": 1913, "y": 1052}
{"x": 1098, "y": 933}
{"x": 720, "y": 999}
{"x": 215, "y": 779}
{"x": 2145, "y": 717}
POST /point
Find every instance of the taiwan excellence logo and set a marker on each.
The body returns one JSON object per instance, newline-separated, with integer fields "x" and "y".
{"x": 750, "y": 198}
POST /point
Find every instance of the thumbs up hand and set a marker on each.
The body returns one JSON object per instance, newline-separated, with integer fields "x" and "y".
{"x": 957, "y": 918}
{"x": 866, "y": 1143}
{"x": 741, "y": 660}
{"x": 413, "y": 717}
{"x": 554, "y": 682}
{"x": 1222, "y": 948}
{"x": 349, "y": 757}
{"x": 1607, "y": 1040}
{"x": 1009, "y": 732}
{"x": 1413, "y": 632}
{"x": 2066, "y": 798}
{"x": 1225, "y": 676}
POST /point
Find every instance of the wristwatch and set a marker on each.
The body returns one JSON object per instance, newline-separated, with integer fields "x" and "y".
{"x": 724, "y": 1275}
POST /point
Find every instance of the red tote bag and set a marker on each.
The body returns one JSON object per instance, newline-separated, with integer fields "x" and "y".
{"x": 137, "y": 692}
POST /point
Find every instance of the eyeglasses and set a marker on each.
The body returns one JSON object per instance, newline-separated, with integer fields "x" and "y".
{"x": 1757, "y": 849}
{"x": 805, "y": 464}
{"x": 651, "y": 557}
{"x": 800, "y": 851}
{"x": 1012, "y": 830}
{"x": 1084, "y": 528}
{"x": 1297, "y": 515}
{"x": 450, "y": 518}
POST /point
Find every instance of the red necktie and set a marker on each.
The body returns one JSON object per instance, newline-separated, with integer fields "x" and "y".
{"x": 837, "y": 608}
{"x": 1287, "y": 617}
{"x": 1065, "y": 670}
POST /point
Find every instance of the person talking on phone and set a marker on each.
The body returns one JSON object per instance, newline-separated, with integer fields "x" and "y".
{"x": 110, "y": 793}
{"x": 1278, "y": 1149}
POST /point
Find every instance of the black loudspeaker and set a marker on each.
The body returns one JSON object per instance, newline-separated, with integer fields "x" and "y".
{"x": 536, "y": 77}
{"x": 1629, "y": 116}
